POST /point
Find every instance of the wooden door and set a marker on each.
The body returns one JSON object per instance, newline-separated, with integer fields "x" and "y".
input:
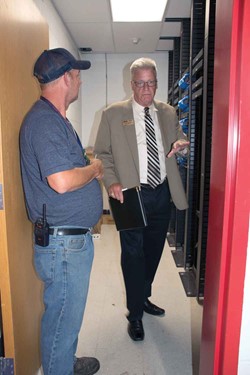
{"x": 23, "y": 36}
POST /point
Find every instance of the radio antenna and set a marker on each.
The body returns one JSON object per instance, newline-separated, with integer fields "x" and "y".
{"x": 44, "y": 214}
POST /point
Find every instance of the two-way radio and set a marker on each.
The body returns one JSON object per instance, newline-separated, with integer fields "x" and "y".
{"x": 42, "y": 230}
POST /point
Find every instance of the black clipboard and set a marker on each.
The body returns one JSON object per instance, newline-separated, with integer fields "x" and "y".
{"x": 131, "y": 213}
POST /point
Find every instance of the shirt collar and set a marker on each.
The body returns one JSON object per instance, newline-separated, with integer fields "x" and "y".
{"x": 139, "y": 108}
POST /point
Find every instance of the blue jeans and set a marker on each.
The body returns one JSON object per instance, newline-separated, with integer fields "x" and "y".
{"x": 64, "y": 266}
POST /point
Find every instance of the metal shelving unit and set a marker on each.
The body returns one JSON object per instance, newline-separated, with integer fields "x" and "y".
{"x": 208, "y": 68}
{"x": 178, "y": 62}
{"x": 196, "y": 57}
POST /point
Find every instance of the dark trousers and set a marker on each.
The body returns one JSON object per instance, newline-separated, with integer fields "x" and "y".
{"x": 142, "y": 249}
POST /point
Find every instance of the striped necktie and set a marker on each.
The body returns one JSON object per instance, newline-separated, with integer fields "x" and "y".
{"x": 153, "y": 173}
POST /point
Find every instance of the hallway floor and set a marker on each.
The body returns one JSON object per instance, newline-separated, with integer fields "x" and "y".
{"x": 171, "y": 342}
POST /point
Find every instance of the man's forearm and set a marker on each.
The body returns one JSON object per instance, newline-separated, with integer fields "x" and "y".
{"x": 73, "y": 179}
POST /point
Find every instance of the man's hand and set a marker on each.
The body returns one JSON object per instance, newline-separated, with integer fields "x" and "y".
{"x": 98, "y": 168}
{"x": 178, "y": 146}
{"x": 115, "y": 191}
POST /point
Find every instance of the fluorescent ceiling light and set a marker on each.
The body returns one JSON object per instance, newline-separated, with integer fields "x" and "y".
{"x": 138, "y": 10}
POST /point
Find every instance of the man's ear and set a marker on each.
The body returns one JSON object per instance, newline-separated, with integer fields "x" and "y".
{"x": 67, "y": 78}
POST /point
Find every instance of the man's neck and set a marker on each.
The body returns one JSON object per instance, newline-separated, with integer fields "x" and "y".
{"x": 56, "y": 100}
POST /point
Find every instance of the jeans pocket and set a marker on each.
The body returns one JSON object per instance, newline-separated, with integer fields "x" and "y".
{"x": 44, "y": 260}
{"x": 76, "y": 244}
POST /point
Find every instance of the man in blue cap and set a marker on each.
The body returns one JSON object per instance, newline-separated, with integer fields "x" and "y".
{"x": 58, "y": 179}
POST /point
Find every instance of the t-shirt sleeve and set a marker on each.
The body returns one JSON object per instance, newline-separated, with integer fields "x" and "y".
{"x": 50, "y": 142}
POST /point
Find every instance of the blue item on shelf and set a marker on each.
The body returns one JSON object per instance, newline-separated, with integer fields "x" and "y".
{"x": 184, "y": 121}
{"x": 184, "y": 81}
{"x": 185, "y": 129}
{"x": 183, "y": 104}
{"x": 184, "y": 124}
{"x": 181, "y": 160}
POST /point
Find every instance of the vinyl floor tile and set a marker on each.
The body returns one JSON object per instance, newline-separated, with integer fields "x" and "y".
{"x": 167, "y": 347}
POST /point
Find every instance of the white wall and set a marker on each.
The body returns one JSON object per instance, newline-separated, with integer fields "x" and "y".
{"x": 108, "y": 81}
{"x": 60, "y": 37}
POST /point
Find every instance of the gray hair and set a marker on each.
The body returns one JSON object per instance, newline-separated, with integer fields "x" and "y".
{"x": 143, "y": 63}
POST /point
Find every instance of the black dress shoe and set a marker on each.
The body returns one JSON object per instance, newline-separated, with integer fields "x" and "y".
{"x": 152, "y": 309}
{"x": 135, "y": 330}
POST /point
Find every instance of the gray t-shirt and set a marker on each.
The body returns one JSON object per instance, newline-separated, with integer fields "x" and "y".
{"x": 48, "y": 145}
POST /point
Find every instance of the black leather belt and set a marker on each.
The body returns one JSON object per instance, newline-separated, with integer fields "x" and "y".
{"x": 68, "y": 231}
{"x": 147, "y": 186}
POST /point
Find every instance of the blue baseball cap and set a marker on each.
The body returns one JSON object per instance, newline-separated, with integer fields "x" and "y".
{"x": 53, "y": 63}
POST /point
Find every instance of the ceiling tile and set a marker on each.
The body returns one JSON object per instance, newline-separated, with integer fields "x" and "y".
{"x": 83, "y": 10}
{"x": 90, "y": 25}
{"x": 171, "y": 29}
{"x": 98, "y": 36}
{"x": 165, "y": 45}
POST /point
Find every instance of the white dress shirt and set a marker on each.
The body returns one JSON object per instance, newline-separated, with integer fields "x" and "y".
{"x": 139, "y": 116}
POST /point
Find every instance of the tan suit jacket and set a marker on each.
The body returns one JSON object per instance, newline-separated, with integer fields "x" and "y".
{"x": 116, "y": 146}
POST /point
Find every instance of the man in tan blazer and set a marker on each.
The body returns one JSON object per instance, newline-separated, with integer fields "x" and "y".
{"x": 123, "y": 143}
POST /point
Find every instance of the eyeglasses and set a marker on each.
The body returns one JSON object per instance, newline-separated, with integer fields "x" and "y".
{"x": 142, "y": 84}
